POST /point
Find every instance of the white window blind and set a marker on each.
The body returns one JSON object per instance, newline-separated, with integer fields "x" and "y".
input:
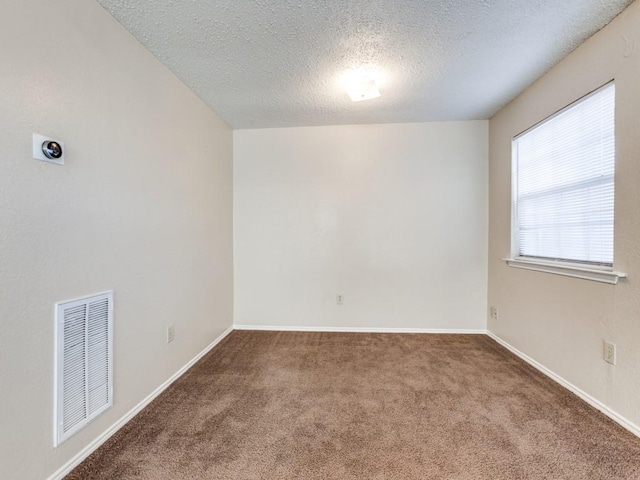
{"x": 564, "y": 183}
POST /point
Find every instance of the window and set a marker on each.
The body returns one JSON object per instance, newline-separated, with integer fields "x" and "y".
{"x": 563, "y": 185}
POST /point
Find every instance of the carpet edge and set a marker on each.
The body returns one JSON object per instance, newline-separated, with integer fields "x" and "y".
{"x": 109, "y": 432}
{"x": 595, "y": 403}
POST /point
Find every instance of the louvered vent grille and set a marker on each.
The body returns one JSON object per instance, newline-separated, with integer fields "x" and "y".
{"x": 74, "y": 367}
{"x": 83, "y": 362}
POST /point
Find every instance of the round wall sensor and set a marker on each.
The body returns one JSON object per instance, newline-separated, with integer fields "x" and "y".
{"x": 52, "y": 149}
{"x": 48, "y": 149}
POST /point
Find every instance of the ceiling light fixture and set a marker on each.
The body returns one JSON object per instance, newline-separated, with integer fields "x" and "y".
{"x": 364, "y": 88}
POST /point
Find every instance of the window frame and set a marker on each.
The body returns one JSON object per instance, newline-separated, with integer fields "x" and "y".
{"x": 586, "y": 270}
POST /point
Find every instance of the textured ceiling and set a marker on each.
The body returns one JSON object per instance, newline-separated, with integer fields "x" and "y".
{"x": 276, "y": 63}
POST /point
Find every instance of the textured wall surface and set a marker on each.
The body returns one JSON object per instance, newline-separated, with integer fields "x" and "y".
{"x": 278, "y": 63}
{"x": 394, "y": 217}
{"x": 142, "y": 206}
{"x": 559, "y": 321}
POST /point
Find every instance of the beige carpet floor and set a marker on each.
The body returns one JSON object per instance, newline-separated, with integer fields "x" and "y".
{"x": 285, "y": 405}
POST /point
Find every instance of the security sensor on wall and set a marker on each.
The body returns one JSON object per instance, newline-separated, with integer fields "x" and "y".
{"x": 47, "y": 149}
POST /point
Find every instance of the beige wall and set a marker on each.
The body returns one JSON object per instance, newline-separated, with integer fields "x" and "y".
{"x": 143, "y": 207}
{"x": 559, "y": 321}
{"x": 394, "y": 217}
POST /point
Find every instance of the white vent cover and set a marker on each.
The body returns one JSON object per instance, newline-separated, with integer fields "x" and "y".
{"x": 84, "y": 362}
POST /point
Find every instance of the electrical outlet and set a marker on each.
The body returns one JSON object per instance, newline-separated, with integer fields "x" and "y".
{"x": 610, "y": 353}
{"x": 170, "y": 333}
{"x": 493, "y": 311}
{"x": 339, "y": 299}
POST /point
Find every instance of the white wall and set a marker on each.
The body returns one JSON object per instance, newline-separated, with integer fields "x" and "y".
{"x": 143, "y": 207}
{"x": 394, "y": 217}
{"x": 559, "y": 321}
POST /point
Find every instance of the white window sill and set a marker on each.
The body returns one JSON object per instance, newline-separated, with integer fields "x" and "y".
{"x": 570, "y": 270}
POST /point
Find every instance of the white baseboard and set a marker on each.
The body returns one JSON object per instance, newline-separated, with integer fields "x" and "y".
{"x": 597, "y": 404}
{"x": 89, "y": 449}
{"x": 359, "y": 329}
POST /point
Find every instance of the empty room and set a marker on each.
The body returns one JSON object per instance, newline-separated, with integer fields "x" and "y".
{"x": 320, "y": 239}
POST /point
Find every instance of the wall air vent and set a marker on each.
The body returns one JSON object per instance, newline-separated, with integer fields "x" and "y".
{"x": 83, "y": 363}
